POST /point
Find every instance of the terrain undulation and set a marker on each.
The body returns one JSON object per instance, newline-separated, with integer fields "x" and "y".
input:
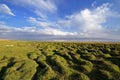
{"x": 33, "y": 60}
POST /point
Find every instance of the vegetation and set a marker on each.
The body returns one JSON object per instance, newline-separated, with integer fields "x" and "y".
{"x": 32, "y": 60}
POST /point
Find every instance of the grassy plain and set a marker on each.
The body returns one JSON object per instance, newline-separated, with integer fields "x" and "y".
{"x": 33, "y": 60}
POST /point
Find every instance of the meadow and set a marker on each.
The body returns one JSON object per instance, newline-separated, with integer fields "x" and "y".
{"x": 34, "y": 60}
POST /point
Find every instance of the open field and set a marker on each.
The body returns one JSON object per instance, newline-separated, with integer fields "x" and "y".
{"x": 32, "y": 60}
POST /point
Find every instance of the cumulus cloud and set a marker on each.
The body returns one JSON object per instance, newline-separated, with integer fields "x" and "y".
{"x": 6, "y": 10}
{"x": 89, "y": 22}
{"x": 39, "y": 7}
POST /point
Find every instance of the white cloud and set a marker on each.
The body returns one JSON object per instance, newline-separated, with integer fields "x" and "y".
{"x": 5, "y": 9}
{"x": 48, "y": 27}
{"x": 48, "y": 5}
{"x": 10, "y": 32}
{"x": 39, "y": 7}
{"x": 32, "y": 19}
{"x": 39, "y": 23}
{"x": 43, "y": 23}
{"x": 89, "y": 22}
{"x": 52, "y": 31}
{"x": 41, "y": 14}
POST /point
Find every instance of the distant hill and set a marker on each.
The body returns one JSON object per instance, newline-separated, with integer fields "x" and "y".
{"x": 85, "y": 39}
{"x": 69, "y": 39}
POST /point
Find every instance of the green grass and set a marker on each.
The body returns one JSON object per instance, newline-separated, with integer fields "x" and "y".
{"x": 33, "y": 60}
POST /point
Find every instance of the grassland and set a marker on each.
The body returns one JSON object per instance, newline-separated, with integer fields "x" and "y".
{"x": 32, "y": 60}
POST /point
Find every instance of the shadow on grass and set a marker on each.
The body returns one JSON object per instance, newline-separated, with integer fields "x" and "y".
{"x": 4, "y": 68}
{"x": 41, "y": 69}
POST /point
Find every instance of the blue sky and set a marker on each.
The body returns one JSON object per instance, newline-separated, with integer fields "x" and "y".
{"x": 46, "y": 19}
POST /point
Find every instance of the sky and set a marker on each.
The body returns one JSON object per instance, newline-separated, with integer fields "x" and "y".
{"x": 48, "y": 19}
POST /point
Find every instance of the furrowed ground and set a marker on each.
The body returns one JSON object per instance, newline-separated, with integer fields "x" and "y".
{"x": 28, "y": 60}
